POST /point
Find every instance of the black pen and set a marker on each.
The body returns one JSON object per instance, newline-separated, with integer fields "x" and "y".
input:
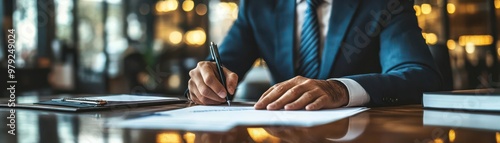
{"x": 214, "y": 51}
{"x": 97, "y": 102}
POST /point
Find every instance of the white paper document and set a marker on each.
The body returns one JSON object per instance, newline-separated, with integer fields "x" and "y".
{"x": 223, "y": 118}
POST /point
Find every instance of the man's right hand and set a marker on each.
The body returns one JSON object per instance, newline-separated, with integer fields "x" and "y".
{"x": 205, "y": 87}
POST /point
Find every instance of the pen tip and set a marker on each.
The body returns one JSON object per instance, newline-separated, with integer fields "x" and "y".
{"x": 228, "y": 103}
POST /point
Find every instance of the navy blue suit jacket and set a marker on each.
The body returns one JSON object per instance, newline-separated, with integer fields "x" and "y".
{"x": 374, "y": 42}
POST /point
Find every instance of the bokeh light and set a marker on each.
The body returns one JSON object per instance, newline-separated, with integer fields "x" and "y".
{"x": 201, "y": 9}
{"x": 470, "y": 48}
{"x": 175, "y": 37}
{"x": 189, "y": 137}
{"x": 450, "y": 8}
{"x": 426, "y": 8}
{"x": 451, "y": 44}
{"x": 166, "y": 6}
{"x": 451, "y": 135}
{"x": 418, "y": 11}
{"x": 168, "y": 137}
{"x": 260, "y": 135}
{"x": 187, "y": 5}
{"x": 196, "y": 37}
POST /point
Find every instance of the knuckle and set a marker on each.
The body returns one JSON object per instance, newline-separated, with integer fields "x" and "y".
{"x": 279, "y": 89}
{"x": 203, "y": 99}
{"x": 191, "y": 73}
{"x": 199, "y": 64}
{"x": 208, "y": 80}
{"x": 205, "y": 65}
{"x": 308, "y": 81}
{"x": 299, "y": 77}
{"x": 191, "y": 83}
{"x": 319, "y": 100}
{"x": 308, "y": 96}
{"x": 293, "y": 91}
{"x": 274, "y": 86}
{"x": 234, "y": 75}
{"x": 316, "y": 89}
{"x": 191, "y": 94}
{"x": 204, "y": 91}
{"x": 279, "y": 103}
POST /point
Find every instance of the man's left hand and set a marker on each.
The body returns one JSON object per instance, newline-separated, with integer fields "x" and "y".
{"x": 300, "y": 92}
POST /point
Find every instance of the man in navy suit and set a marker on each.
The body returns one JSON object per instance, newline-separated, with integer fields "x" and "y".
{"x": 324, "y": 54}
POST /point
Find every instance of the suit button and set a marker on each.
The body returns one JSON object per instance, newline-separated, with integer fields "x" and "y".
{"x": 385, "y": 99}
{"x": 390, "y": 99}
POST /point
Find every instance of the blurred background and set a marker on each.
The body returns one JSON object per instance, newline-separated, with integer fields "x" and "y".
{"x": 149, "y": 46}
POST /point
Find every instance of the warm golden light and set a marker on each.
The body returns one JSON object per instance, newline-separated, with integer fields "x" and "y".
{"x": 498, "y": 48}
{"x": 174, "y": 81}
{"x": 451, "y": 135}
{"x": 451, "y": 44}
{"x": 189, "y": 137}
{"x": 497, "y": 4}
{"x": 418, "y": 11}
{"x": 166, "y": 6}
{"x": 430, "y": 38}
{"x": 196, "y": 37}
{"x": 470, "y": 48}
{"x": 187, "y": 5}
{"x": 260, "y": 135}
{"x": 160, "y": 6}
{"x": 438, "y": 140}
{"x": 201, "y": 9}
{"x": 450, "y": 8}
{"x": 426, "y": 8}
{"x": 175, "y": 37}
{"x": 478, "y": 40}
{"x": 470, "y": 8}
{"x": 497, "y": 136}
{"x": 234, "y": 10}
{"x": 498, "y": 51}
{"x": 168, "y": 137}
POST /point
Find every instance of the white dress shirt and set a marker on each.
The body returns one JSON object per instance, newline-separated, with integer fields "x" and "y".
{"x": 357, "y": 94}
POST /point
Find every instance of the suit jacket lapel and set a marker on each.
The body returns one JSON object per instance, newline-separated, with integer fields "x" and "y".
{"x": 340, "y": 18}
{"x": 285, "y": 26}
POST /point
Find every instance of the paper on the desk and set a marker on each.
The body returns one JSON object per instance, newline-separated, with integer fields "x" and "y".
{"x": 128, "y": 98}
{"x": 223, "y": 118}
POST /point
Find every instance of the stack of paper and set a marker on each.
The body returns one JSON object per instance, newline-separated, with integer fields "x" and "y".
{"x": 223, "y": 118}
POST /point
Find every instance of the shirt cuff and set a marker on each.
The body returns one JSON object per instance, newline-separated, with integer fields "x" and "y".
{"x": 357, "y": 94}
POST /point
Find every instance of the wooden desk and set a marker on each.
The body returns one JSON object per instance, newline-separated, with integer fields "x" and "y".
{"x": 387, "y": 124}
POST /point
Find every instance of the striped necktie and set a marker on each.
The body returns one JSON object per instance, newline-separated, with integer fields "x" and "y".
{"x": 309, "y": 42}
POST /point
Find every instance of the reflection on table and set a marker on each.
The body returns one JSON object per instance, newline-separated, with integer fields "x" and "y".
{"x": 382, "y": 124}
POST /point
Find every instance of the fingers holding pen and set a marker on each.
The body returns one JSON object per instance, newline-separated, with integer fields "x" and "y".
{"x": 231, "y": 81}
{"x": 199, "y": 98}
{"x": 209, "y": 77}
{"x": 202, "y": 90}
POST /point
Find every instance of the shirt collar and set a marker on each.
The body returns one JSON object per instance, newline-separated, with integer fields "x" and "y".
{"x": 327, "y": 1}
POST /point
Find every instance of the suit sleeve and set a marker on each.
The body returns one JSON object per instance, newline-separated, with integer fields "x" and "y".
{"x": 239, "y": 50}
{"x": 408, "y": 68}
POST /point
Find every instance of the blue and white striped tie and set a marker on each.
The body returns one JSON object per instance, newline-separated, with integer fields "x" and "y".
{"x": 309, "y": 42}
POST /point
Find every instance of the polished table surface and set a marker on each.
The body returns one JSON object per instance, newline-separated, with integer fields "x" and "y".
{"x": 398, "y": 124}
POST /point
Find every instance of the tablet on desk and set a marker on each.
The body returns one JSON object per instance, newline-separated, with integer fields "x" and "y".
{"x": 111, "y": 101}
